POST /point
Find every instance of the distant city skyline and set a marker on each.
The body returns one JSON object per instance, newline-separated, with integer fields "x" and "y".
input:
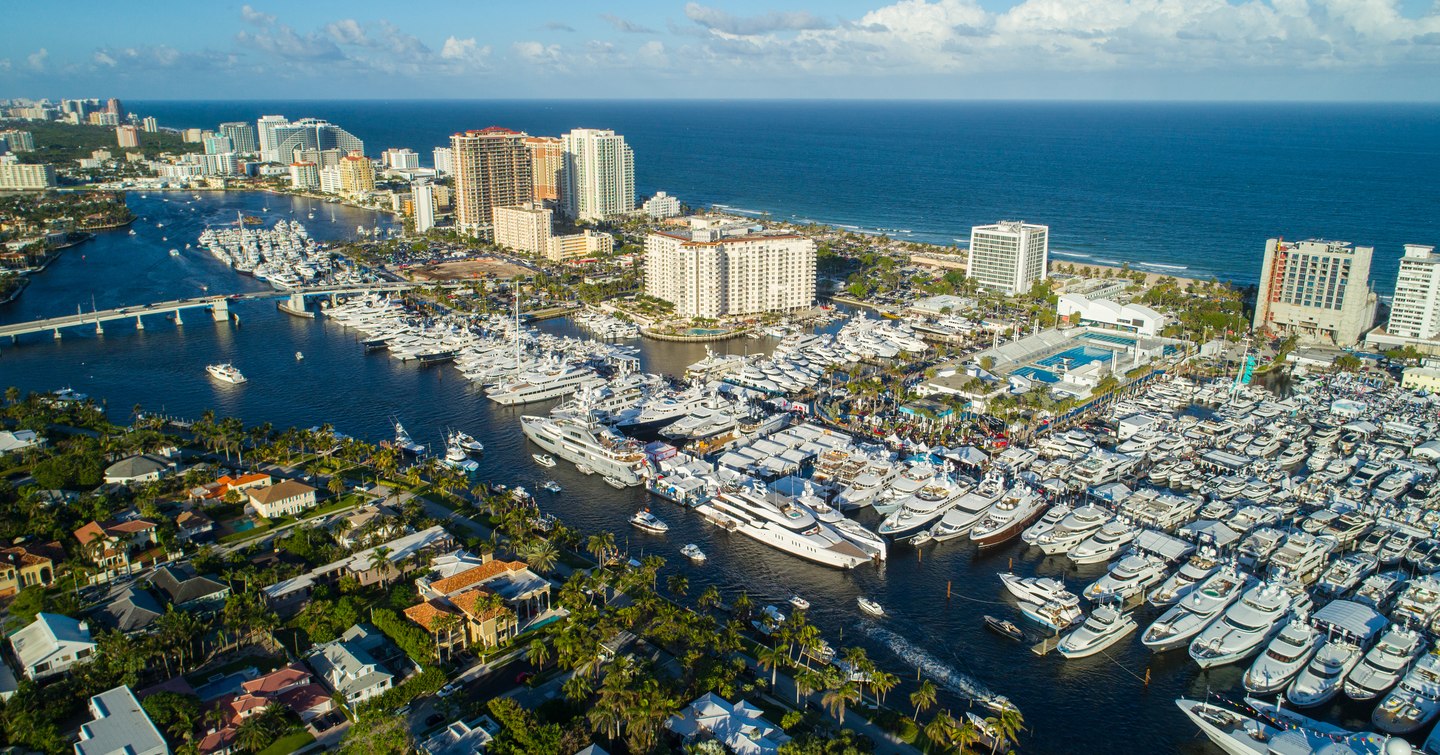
{"x": 731, "y": 49}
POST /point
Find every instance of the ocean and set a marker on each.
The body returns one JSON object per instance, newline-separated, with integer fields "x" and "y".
{"x": 1186, "y": 189}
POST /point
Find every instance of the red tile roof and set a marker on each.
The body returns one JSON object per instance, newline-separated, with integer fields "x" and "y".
{"x": 277, "y": 681}
{"x": 475, "y": 575}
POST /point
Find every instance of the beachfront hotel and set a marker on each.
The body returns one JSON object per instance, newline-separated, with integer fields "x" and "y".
{"x": 728, "y": 269}
{"x": 492, "y": 169}
{"x": 598, "y": 175}
{"x": 1008, "y": 256}
{"x": 1318, "y": 291}
{"x": 1415, "y": 312}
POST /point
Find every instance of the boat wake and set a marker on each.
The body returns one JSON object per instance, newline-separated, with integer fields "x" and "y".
{"x": 1162, "y": 266}
{"x": 1076, "y": 255}
{"x": 940, "y": 672}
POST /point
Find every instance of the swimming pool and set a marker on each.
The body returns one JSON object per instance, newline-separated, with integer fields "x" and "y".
{"x": 1077, "y": 356}
{"x": 1115, "y": 338}
{"x": 1035, "y": 373}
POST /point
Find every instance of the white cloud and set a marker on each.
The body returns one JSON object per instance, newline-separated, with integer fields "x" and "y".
{"x": 714, "y": 18}
{"x": 464, "y": 51}
{"x": 36, "y": 60}
{"x": 347, "y": 32}
{"x": 538, "y": 54}
{"x": 255, "y": 17}
{"x": 103, "y": 58}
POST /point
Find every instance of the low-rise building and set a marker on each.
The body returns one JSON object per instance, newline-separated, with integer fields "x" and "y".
{"x": 50, "y": 645}
{"x": 661, "y": 206}
{"x": 194, "y": 525}
{"x": 741, "y": 727}
{"x": 290, "y": 595}
{"x": 286, "y": 498}
{"x": 119, "y": 726}
{"x": 26, "y": 566}
{"x": 15, "y": 441}
{"x": 110, "y": 544}
{"x": 1076, "y": 309}
{"x": 462, "y": 738}
{"x": 523, "y": 228}
{"x": 188, "y": 591}
{"x": 1421, "y": 379}
{"x": 490, "y": 602}
{"x": 132, "y": 610}
{"x": 587, "y": 243}
{"x": 216, "y": 491}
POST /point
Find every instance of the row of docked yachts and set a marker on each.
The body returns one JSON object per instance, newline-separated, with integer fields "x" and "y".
{"x": 284, "y": 255}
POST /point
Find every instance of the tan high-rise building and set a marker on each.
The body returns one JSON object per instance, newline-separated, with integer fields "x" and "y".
{"x": 547, "y": 157}
{"x": 357, "y": 175}
{"x": 492, "y": 169}
{"x": 127, "y": 136}
{"x": 525, "y": 228}
{"x": 1318, "y": 291}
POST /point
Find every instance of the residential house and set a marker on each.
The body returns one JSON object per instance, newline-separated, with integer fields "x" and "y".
{"x": 491, "y": 601}
{"x": 370, "y": 521}
{"x": 462, "y": 738}
{"x": 215, "y": 491}
{"x": 138, "y": 468}
{"x": 290, "y": 595}
{"x": 50, "y": 645}
{"x": 286, "y": 498}
{"x": 741, "y": 727}
{"x": 17, "y": 441}
{"x": 292, "y": 687}
{"x": 23, "y": 566}
{"x": 194, "y": 526}
{"x": 132, "y": 611}
{"x": 120, "y": 725}
{"x": 110, "y": 544}
{"x": 355, "y": 665}
{"x": 188, "y": 591}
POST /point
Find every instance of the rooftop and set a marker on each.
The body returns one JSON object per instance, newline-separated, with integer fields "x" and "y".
{"x": 120, "y": 726}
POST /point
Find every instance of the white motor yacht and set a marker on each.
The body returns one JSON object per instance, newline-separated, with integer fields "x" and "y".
{"x": 1129, "y": 578}
{"x": 1414, "y": 702}
{"x": 1073, "y": 529}
{"x": 1195, "y": 570}
{"x": 1016, "y": 510}
{"x": 1275, "y": 730}
{"x": 597, "y": 447}
{"x": 1032, "y": 589}
{"x": 1377, "y": 590}
{"x": 1419, "y": 602}
{"x": 649, "y": 522}
{"x": 693, "y": 552}
{"x": 1349, "y": 628}
{"x": 1057, "y": 614}
{"x": 1046, "y": 524}
{"x": 1284, "y": 657}
{"x": 785, "y": 525}
{"x": 866, "y": 484}
{"x": 1103, "y": 628}
{"x": 1104, "y": 544}
{"x": 1302, "y": 557}
{"x": 1197, "y": 610}
{"x": 920, "y": 509}
{"x": 225, "y": 373}
{"x": 1382, "y": 667}
{"x": 1246, "y": 625}
{"x": 967, "y": 511}
{"x": 1345, "y": 574}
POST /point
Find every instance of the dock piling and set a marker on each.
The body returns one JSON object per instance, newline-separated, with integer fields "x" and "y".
{"x": 139, "y": 323}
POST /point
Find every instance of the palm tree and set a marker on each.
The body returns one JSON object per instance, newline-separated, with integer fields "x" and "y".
{"x": 542, "y": 555}
{"x": 538, "y": 653}
{"x": 380, "y": 560}
{"x": 600, "y": 545}
{"x": 1008, "y": 725}
{"x": 924, "y": 697}
{"x": 253, "y": 735}
{"x": 837, "y": 698}
{"x": 966, "y": 734}
{"x": 771, "y": 658}
{"x": 446, "y": 623}
{"x": 941, "y": 731}
{"x": 806, "y": 681}
{"x": 709, "y": 597}
{"x": 677, "y": 584}
{"x": 882, "y": 682}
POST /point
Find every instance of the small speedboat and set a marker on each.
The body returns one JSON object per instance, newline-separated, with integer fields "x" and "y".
{"x": 544, "y": 460}
{"x": 174, "y": 252}
{"x": 299, "y": 356}
{"x": 649, "y": 522}
{"x": 584, "y": 469}
{"x": 923, "y": 538}
{"x": 468, "y": 442}
{"x": 614, "y": 483}
{"x": 799, "y": 602}
{"x": 693, "y": 552}
{"x": 225, "y": 372}
{"x": 552, "y": 486}
{"x": 870, "y": 607}
{"x": 1005, "y": 627}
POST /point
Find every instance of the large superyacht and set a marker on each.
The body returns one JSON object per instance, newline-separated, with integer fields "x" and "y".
{"x": 580, "y": 440}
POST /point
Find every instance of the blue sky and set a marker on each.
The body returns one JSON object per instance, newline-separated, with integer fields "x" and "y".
{"x": 981, "y": 49}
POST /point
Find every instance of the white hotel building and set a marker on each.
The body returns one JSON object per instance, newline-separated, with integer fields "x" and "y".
{"x": 718, "y": 271}
{"x": 1415, "y": 312}
{"x": 1008, "y": 256}
{"x": 597, "y": 174}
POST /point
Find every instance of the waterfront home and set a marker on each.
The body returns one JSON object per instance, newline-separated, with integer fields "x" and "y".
{"x": 216, "y": 491}
{"x": 18, "y": 441}
{"x": 50, "y": 645}
{"x": 370, "y": 522}
{"x": 23, "y": 566}
{"x": 290, "y": 595}
{"x": 137, "y": 469}
{"x": 741, "y": 727}
{"x": 362, "y": 664}
{"x": 188, "y": 591}
{"x": 110, "y": 544}
{"x": 119, "y": 725}
{"x": 286, "y": 498}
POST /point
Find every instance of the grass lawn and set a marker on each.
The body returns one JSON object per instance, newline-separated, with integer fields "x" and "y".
{"x": 288, "y": 743}
{"x": 264, "y": 664}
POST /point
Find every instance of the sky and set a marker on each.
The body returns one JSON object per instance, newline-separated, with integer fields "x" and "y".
{"x": 725, "y": 49}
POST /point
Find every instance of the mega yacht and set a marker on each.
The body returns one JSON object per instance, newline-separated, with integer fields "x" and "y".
{"x": 1104, "y": 544}
{"x": 968, "y": 510}
{"x": 1301, "y": 557}
{"x": 1274, "y": 730}
{"x": 1103, "y": 628}
{"x": 596, "y": 446}
{"x": 1414, "y": 702}
{"x": 1246, "y": 625}
{"x": 1046, "y": 524}
{"x": 1018, "y": 509}
{"x": 1073, "y": 529}
{"x": 786, "y": 526}
{"x": 1195, "y": 570}
{"x": 1129, "y": 578}
{"x": 1420, "y": 601}
{"x": 920, "y": 509}
{"x": 1384, "y": 664}
{"x": 661, "y": 411}
{"x": 539, "y": 385}
{"x": 868, "y": 482}
{"x": 1377, "y": 590}
{"x": 1349, "y": 628}
{"x": 1057, "y": 614}
{"x": 849, "y": 529}
{"x": 1032, "y": 589}
{"x": 1284, "y": 657}
{"x": 1199, "y": 609}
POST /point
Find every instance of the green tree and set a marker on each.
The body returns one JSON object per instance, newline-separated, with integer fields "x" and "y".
{"x": 923, "y": 698}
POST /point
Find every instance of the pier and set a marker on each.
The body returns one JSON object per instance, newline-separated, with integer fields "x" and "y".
{"x": 218, "y": 307}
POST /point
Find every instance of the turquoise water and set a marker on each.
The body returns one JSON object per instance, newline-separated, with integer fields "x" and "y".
{"x": 1078, "y": 356}
{"x": 705, "y": 331}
